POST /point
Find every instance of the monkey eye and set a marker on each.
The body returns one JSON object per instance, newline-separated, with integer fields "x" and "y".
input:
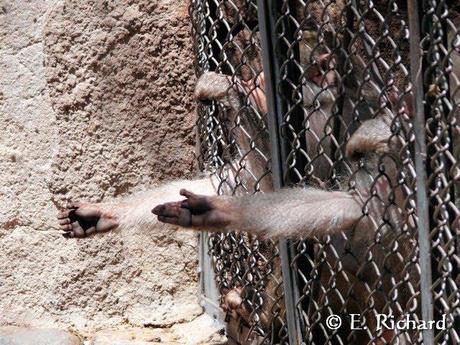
{"x": 357, "y": 155}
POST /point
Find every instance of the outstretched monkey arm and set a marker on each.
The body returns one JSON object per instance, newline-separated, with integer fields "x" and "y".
{"x": 84, "y": 219}
{"x": 290, "y": 213}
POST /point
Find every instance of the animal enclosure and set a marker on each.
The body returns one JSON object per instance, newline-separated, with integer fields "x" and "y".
{"x": 330, "y": 71}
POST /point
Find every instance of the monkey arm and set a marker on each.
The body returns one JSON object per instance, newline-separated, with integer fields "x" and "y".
{"x": 84, "y": 219}
{"x": 290, "y": 213}
{"x": 135, "y": 211}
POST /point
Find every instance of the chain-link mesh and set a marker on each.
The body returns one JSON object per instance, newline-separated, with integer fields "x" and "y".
{"x": 346, "y": 69}
{"x": 234, "y": 148}
{"x": 344, "y": 98}
{"x": 441, "y": 45}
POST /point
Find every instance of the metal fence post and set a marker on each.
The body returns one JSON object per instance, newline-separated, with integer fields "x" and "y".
{"x": 420, "y": 168}
{"x": 271, "y": 73}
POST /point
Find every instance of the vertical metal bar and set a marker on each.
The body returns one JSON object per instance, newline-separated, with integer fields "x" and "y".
{"x": 271, "y": 74}
{"x": 209, "y": 298}
{"x": 420, "y": 168}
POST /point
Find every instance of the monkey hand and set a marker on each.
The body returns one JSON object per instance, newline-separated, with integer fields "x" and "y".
{"x": 207, "y": 212}
{"x": 81, "y": 220}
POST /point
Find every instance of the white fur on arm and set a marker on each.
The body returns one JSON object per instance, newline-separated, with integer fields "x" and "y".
{"x": 136, "y": 211}
{"x": 296, "y": 212}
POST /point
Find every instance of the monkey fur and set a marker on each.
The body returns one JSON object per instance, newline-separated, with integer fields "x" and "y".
{"x": 294, "y": 213}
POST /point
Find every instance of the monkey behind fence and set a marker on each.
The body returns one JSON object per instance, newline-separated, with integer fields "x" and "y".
{"x": 289, "y": 213}
{"x": 349, "y": 217}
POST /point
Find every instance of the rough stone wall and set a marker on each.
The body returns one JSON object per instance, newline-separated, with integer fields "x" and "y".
{"x": 95, "y": 103}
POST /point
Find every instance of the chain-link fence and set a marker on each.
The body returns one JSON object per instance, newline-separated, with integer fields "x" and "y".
{"x": 357, "y": 96}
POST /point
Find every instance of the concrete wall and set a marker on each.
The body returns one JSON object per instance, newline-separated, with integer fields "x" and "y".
{"x": 95, "y": 103}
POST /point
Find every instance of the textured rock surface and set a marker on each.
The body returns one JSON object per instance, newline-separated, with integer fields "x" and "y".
{"x": 133, "y": 337}
{"x": 26, "y": 336}
{"x": 202, "y": 330}
{"x": 95, "y": 102}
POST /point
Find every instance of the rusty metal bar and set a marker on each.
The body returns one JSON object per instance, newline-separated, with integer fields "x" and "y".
{"x": 420, "y": 168}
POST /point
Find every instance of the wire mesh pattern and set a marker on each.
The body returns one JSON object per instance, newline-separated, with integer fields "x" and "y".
{"x": 340, "y": 73}
{"x": 234, "y": 148}
{"x": 354, "y": 72}
{"x": 441, "y": 45}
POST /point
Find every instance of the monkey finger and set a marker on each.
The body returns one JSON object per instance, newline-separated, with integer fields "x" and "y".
{"x": 73, "y": 205}
{"x": 64, "y": 221}
{"x": 63, "y": 214}
{"x": 66, "y": 227}
{"x": 185, "y": 218}
{"x": 198, "y": 204}
{"x": 170, "y": 209}
{"x": 77, "y": 230}
{"x": 169, "y": 220}
{"x": 187, "y": 193}
{"x": 158, "y": 210}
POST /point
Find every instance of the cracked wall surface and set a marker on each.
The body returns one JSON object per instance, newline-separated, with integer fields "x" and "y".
{"x": 95, "y": 103}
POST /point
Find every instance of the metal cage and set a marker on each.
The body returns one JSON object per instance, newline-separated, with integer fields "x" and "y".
{"x": 347, "y": 62}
